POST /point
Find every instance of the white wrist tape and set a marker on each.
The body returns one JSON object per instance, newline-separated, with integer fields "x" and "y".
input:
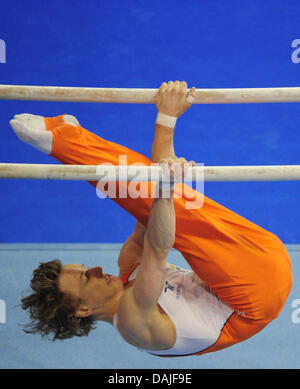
{"x": 166, "y": 120}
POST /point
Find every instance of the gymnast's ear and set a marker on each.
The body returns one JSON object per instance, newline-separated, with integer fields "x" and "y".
{"x": 83, "y": 311}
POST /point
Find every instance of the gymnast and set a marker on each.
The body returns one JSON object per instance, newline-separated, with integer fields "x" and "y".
{"x": 240, "y": 273}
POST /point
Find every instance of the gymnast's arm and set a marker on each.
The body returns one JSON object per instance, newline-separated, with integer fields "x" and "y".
{"x": 170, "y": 101}
{"x": 162, "y": 147}
{"x": 141, "y": 299}
{"x": 132, "y": 250}
{"x": 158, "y": 241}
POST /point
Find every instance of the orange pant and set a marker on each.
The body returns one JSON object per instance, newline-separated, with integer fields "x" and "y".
{"x": 246, "y": 266}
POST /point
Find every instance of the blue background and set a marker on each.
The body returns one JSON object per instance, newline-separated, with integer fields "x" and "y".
{"x": 140, "y": 44}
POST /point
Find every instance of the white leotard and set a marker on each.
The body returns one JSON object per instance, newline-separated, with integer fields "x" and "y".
{"x": 196, "y": 312}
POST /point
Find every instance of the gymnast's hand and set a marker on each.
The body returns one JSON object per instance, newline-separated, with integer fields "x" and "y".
{"x": 175, "y": 168}
{"x": 173, "y": 99}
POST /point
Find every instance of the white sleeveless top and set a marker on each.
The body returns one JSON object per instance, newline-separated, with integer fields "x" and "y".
{"x": 196, "y": 312}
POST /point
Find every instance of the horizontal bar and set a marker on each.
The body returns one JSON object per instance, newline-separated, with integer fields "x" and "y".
{"x": 147, "y": 173}
{"x": 146, "y": 96}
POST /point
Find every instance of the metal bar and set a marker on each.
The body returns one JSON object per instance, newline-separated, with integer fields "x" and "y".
{"x": 148, "y": 173}
{"x": 146, "y": 96}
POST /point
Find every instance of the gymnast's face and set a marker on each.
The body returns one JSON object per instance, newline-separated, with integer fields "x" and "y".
{"x": 93, "y": 287}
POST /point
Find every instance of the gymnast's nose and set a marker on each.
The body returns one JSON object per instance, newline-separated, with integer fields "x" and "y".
{"x": 95, "y": 272}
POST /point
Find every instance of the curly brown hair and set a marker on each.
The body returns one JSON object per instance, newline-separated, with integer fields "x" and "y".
{"x": 51, "y": 311}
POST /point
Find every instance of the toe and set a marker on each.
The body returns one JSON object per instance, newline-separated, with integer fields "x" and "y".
{"x": 16, "y": 125}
